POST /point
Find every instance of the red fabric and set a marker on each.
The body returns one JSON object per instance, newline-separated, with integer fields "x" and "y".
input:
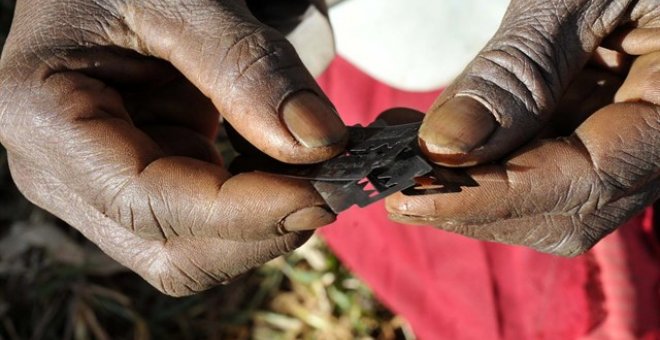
{"x": 451, "y": 287}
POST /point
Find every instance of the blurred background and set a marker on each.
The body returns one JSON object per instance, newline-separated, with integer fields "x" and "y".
{"x": 56, "y": 285}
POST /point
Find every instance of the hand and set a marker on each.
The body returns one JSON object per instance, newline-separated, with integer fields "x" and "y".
{"x": 108, "y": 111}
{"x": 553, "y": 69}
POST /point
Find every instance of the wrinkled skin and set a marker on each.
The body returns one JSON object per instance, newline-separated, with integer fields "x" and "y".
{"x": 108, "y": 111}
{"x": 568, "y": 92}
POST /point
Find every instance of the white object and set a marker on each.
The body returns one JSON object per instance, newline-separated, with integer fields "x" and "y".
{"x": 414, "y": 45}
{"x": 313, "y": 41}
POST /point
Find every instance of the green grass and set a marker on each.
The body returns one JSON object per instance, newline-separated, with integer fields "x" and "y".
{"x": 306, "y": 295}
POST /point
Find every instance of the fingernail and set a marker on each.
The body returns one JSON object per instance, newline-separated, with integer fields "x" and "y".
{"x": 457, "y": 127}
{"x": 307, "y": 219}
{"x": 312, "y": 121}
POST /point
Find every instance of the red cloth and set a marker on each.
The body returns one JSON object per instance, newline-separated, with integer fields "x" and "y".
{"x": 451, "y": 287}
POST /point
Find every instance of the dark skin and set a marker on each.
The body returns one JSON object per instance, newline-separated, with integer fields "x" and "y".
{"x": 586, "y": 71}
{"x": 108, "y": 111}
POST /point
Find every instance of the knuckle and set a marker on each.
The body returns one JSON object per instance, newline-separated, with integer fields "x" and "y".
{"x": 629, "y": 168}
{"x": 616, "y": 180}
{"x": 147, "y": 215}
{"x": 512, "y": 79}
{"x": 259, "y": 50}
{"x": 572, "y": 233}
{"x": 572, "y": 246}
{"x": 601, "y": 17}
{"x": 173, "y": 277}
{"x": 536, "y": 50}
{"x": 576, "y": 235}
{"x": 624, "y": 158}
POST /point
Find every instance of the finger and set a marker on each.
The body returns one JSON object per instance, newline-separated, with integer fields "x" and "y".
{"x": 251, "y": 73}
{"x": 180, "y": 266}
{"x": 127, "y": 176}
{"x": 557, "y": 196}
{"x": 643, "y": 81}
{"x": 507, "y": 93}
{"x": 610, "y": 60}
{"x": 251, "y": 158}
{"x": 636, "y": 41}
{"x": 394, "y": 116}
{"x": 153, "y": 92}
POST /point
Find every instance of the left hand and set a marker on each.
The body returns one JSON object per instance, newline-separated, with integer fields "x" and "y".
{"x": 557, "y": 195}
{"x": 108, "y": 112}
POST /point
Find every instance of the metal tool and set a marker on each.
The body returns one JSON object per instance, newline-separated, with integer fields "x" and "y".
{"x": 380, "y": 160}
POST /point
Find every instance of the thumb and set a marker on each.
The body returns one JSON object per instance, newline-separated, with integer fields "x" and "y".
{"x": 250, "y": 71}
{"x": 508, "y": 92}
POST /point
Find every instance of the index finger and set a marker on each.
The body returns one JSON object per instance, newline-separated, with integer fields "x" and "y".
{"x": 558, "y": 196}
{"x": 81, "y": 133}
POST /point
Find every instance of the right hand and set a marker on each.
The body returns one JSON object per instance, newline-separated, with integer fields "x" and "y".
{"x": 108, "y": 111}
{"x": 576, "y": 146}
